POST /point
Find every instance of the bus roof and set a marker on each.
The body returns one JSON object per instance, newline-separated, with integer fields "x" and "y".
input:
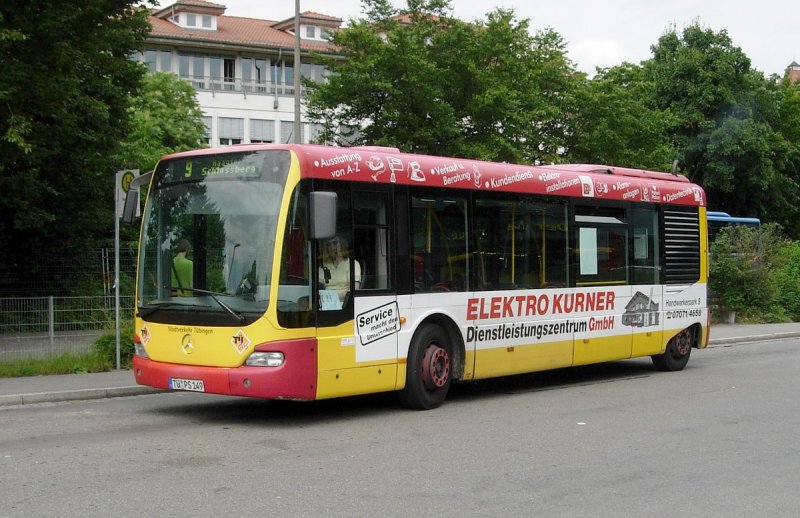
{"x": 388, "y": 165}
{"x": 727, "y": 218}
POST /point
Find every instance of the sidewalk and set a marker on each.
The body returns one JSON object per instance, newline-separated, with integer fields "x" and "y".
{"x": 70, "y": 387}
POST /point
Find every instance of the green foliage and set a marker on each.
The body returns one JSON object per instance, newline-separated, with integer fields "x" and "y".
{"x": 617, "y": 121}
{"x": 744, "y": 271}
{"x": 787, "y": 280}
{"x": 106, "y": 346}
{"x": 164, "y": 118}
{"x": 442, "y": 86}
{"x": 67, "y": 363}
{"x": 64, "y": 92}
{"x": 734, "y": 131}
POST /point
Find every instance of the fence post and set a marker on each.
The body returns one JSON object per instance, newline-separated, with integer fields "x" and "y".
{"x": 51, "y": 325}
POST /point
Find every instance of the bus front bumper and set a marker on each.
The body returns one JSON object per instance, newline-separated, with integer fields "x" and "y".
{"x": 296, "y": 379}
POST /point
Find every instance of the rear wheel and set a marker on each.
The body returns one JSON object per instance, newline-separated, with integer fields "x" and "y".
{"x": 677, "y": 354}
{"x": 428, "y": 371}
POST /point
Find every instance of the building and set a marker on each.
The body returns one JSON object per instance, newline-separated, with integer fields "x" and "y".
{"x": 793, "y": 72}
{"x": 241, "y": 68}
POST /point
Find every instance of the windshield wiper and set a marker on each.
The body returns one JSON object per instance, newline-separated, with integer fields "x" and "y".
{"x": 152, "y": 307}
{"x": 213, "y": 295}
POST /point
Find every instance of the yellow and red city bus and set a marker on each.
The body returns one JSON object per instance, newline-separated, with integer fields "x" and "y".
{"x": 458, "y": 270}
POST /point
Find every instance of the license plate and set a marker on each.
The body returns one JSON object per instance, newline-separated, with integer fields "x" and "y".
{"x": 184, "y": 384}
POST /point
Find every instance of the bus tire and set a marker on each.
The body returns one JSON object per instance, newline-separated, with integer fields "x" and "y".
{"x": 677, "y": 354}
{"x": 428, "y": 370}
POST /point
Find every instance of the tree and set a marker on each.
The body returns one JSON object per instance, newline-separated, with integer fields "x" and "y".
{"x": 425, "y": 82}
{"x": 164, "y": 118}
{"x": 727, "y": 124}
{"x": 64, "y": 92}
{"x": 617, "y": 121}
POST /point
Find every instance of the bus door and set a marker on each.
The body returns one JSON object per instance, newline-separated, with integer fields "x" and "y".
{"x": 377, "y": 317}
{"x": 602, "y": 281}
{"x": 357, "y": 315}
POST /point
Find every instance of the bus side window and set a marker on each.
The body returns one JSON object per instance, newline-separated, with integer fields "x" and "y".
{"x": 601, "y": 247}
{"x": 439, "y": 242}
{"x": 646, "y": 259}
{"x": 371, "y": 243}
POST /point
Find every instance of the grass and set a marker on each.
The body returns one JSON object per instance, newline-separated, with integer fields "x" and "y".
{"x": 67, "y": 363}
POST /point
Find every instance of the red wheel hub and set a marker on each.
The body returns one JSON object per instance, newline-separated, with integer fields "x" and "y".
{"x": 435, "y": 367}
{"x": 683, "y": 343}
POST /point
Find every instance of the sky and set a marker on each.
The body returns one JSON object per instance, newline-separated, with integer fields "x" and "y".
{"x": 603, "y": 33}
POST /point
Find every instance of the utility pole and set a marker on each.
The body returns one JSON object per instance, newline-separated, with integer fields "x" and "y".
{"x": 298, "y": 128}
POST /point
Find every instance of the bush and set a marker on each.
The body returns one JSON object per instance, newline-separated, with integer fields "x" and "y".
{"x": 106, "y": 346}
{"x": 787, "y": 280}
{"x": 744, "y": 266}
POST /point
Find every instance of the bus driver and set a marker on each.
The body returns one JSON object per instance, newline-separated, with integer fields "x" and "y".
{"x": 334, "y": 274}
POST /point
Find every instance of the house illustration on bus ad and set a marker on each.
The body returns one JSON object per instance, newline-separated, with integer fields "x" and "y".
{"x": 641, "y": 311}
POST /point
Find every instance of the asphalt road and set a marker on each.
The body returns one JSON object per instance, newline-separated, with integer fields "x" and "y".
{"x": 718, "y": 439}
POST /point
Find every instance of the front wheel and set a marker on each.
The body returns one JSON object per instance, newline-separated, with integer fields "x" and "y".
{"x": 677, "y": 354}
{"x": 429, "y": 369}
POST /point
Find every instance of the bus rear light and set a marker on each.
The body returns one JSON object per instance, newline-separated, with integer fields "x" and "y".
{"x": 265, "y": 359}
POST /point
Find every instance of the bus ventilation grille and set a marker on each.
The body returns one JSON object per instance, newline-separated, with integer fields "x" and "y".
{"x": 682, "y": 245}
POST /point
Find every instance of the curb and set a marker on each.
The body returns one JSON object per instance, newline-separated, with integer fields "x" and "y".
{"x": 755, "y": 338}
{"x": 76, "y": 395}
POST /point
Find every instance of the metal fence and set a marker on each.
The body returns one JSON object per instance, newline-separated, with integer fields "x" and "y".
{"x": 37, "y": 327}
{"x": 40, "y": 312}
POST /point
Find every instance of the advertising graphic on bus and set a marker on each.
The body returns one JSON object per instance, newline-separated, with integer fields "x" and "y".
{"x": 311, "y": 272}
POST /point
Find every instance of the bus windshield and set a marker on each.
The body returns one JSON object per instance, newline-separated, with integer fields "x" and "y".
{"x": 208, "y": 236}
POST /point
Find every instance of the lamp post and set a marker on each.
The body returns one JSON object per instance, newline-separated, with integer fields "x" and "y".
{"x": 298, "y": 131}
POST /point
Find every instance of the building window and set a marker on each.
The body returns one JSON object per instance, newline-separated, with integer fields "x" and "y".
{"x": 207, "y": 123}
{"x": 311, "y": 32}
{"x": 199, "y": 72}
{"x": 165, "y": 61}
{"x": 254, "y": 75}
{"x": 229, "y": 71}
{"x": 262, "y": 130}
{"x": 231, "y": 131}
{"x": 207, "y": 22}
{"x": 184, "y": 65}
{"x": 287, "y": 132}
{"x": 283, "y": 74}
{"x": 223, "y": 73}
{"x": 150, "y": 60}
{"x": 191, "y": 20}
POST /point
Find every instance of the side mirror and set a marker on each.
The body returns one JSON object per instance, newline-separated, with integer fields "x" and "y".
{"x": 132, "y": 197}
{"x": 323, "y": 214}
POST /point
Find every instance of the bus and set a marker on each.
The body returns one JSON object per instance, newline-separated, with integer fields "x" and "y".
{"x": 719, "y": 220}
{"x": 458, "y": 270}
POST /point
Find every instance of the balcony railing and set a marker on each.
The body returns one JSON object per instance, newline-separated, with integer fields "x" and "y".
{"x": 243, "y": 86}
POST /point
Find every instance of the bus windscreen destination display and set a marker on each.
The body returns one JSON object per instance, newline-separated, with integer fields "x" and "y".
{"x": 249, "y": 165}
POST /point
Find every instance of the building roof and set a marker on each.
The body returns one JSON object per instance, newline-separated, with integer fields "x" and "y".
{"x": 199, "y": 6}
{"x": 234, "y": 30}
{"x": 310, "y": 18}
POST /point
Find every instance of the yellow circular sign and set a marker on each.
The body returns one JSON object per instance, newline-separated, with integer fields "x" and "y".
{"x": 127, "y": 178}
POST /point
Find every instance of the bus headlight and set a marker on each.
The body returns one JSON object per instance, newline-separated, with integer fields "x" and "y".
{"x": 138, "y": 350}
{"x": 265, "y": 359}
